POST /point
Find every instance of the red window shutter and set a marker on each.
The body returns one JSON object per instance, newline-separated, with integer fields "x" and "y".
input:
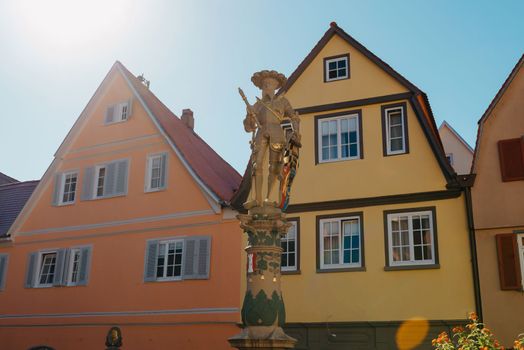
{"x": 511, "y": 156}
{"x": 509, "y": 265}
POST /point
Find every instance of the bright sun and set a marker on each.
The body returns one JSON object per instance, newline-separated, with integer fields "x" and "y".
{"x": 53, "y": 26}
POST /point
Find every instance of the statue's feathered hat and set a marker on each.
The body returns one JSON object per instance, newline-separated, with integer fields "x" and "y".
{"x": 259, "y": 77}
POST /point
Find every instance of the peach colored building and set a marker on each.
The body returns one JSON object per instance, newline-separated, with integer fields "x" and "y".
{"x": 498, "y": 208}
{"x": 458, "y": 152}
{"x": 130, "y": 226}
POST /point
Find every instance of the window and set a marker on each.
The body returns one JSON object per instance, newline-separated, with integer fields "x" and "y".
{"x": 510, "y": 254}
{"x": 169, "y": 260}
{"x": 118, "y": 112}
{"x": 411, "y": 238}
{"x": 290, "y": 246}
{"x": 336, "y": 68}
{"x": 511, "y": 156}
{"x": 340, "y": 242}
{"x": 46, "y": 275}
{"x": 449, "y": 157}
{"x": 156, "y": 172}
{"x": 105, "y": 180}
{"x": 339, "y": 137}
{"x": 177, "y": 259}
{"x": 61, "y": 267}
{"x": 3, "y": 270}
{"x": 65, "y": 188}
{"x": 394, "y": 129}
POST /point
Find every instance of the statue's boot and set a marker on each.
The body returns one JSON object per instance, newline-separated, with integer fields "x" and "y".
{"x": 250, "y": 204}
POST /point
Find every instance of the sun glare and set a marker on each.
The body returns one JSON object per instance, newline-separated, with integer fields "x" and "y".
{"x": 52, "y": 26}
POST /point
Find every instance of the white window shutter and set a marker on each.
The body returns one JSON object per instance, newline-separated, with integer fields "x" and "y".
{"x": 150, "y": 261}
{"x": 3, "y": 270}
{"x": 88, "y": 184}
{"x": 85, "y": 266}
{"x": 163, "y": 170}
{"x": 30, "y": 272}
{"x": 56, "y": 191}
{"x": 121, "y": 177}
{"x": 59, "y": 267}
{"x": 110, "y": 114}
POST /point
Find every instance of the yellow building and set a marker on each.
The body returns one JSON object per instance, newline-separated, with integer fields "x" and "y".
{"x": 381, "y": 231}
{"x": 499, "y": 210}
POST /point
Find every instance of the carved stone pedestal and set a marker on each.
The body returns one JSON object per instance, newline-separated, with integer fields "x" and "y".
{"x": 263, "y": 312}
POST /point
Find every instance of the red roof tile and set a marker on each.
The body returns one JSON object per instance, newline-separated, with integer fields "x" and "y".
{"x": 220, "y": 177}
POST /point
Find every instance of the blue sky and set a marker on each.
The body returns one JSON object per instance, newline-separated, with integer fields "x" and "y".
{"x": 196, "y": 53}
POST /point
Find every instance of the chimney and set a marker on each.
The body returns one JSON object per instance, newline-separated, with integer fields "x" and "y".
{"x": 187, "y": 118}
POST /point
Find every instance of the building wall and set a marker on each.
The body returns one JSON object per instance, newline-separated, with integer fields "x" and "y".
{"x": 462, "y": 156}
{"x": 498, "y": 208}
{"x": 152, "y": 314}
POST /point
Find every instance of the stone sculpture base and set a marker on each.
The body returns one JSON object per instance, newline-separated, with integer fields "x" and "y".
{"x": 247, "y": 339}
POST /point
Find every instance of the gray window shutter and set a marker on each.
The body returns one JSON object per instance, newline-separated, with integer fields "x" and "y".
{"x": 121, "y": 176}
{"x": 163, "y": 170}
{"x": 110, "y": 179}
{"x": 3, "y": 270}
{"x": 85, "y": 266}
{"x": 30, "y": 272}
{"x": 65, "y": 274}
{"x": 150, "y": 261}
{"x": 88, "y": 184}
{"x": 59, "y": 267}
{"x": 203, "y": 258}
{"x": 189, "y": 258}
{"x": 110, "y": 114}
{"x": 56, "y": 191}
{"x": 129, "y": 108}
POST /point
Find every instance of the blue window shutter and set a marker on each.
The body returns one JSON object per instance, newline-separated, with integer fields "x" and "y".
{"x": 3, "y": 270}
{"x": 110, "y": 180}
{"x": 110, "y": 114}
{"x": 121, "y": 176}
{"x": 56, "y": 191}
{"x": 150, "y": 261}
{"x": 59, "y": 267}
{"x": 188, "y": 268}
{"x": 163, "y": 170}
{"x": 88, "y": 184}
{"x": 30, "y": 272}
{"x": 85, "y": 266}
{"x": 203, "y": 258}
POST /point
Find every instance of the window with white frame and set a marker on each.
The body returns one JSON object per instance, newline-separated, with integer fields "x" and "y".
{"x": 336, "y": 68}
{"x": 169, "y": 260}
{"x": 339, "y": 137}
{"x": 118, "y": 112}
{"x": 411, "y": 238}
{"x": 100, "y": 180}
{"x": 47, "y": 267}
{"x": 156, "y": 172}
{"x": 289, "y": 244}
{"x": 69, "y": 182}
{"x": 75, "y": 256}
{"x": 340, "y": 242}
{"x": 395, "y": 130}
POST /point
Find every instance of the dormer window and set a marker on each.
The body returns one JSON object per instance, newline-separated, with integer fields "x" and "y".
{"x": 119, "y": 112}
{"x": 336, "y": 68}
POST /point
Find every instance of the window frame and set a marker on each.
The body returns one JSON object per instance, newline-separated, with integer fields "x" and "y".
{"x": 41, "y": 254}
{"x": 97, "y": 177}
{"x": 296, "y": 268}
{"x": 70, "y": 266}
{"x": 341, "y": 267}
{"x": 338, "y": 116}
{"x": 149, "y": 170}
{"x": 118, "y": 110}
{"x": 167, "y": 242}
{"x": 412, "y": 264}
{"x": 336, "y": 58}
{"x": 385, "y": 129}
{"x": 61, "y": 191}
{"x": 449, "y": 157}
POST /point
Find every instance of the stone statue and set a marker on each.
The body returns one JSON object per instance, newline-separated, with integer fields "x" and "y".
{"x": 275, "y": 128}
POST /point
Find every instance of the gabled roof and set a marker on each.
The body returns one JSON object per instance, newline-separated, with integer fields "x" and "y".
{"x": 13, "y": 197}
{"x": 492, "y": 106}
{"x": 4, "y": 179}
{"x": 457, "y": 135}
{"x": 214, "y": 172}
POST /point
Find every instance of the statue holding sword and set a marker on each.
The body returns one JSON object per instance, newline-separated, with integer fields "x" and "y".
{"x": 265, "y": 119}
